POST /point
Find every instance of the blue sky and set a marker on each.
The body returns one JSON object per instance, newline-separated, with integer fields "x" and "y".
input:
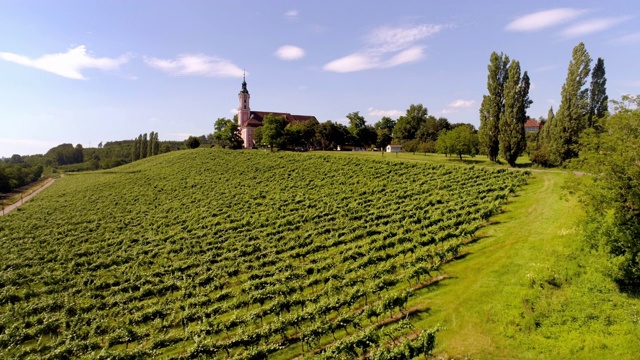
{"x": 93, "y": 71}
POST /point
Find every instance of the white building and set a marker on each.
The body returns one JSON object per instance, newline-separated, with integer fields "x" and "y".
{"x": 394, "y": 148}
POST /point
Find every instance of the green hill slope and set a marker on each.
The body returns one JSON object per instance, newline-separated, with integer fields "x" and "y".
{"x": 253, "y": 254}
{"x": 234, "y": 253}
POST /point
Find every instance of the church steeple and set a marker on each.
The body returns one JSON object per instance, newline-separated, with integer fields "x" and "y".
{"x": 243, "y": 96}
{"x": 244, "y": 113}
{"x": 244, "y": 85}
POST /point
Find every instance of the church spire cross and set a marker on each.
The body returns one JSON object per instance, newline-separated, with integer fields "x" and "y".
{"x": 244, "y": 84}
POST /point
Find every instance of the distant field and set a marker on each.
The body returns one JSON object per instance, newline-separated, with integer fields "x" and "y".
{"x": 238, "y": 254}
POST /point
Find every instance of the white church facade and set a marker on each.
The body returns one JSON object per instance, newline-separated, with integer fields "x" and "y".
{"x": 249, "y": 120}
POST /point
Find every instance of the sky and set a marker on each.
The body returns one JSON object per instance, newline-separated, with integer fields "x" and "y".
{"x": 92, "y": 71}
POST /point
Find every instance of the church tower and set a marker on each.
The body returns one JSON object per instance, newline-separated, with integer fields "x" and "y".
{"x": 243, "y": 115}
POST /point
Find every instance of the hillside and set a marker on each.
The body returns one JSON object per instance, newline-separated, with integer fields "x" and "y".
{"x": 245, "y": 254}
{"x": 198, "y": 249}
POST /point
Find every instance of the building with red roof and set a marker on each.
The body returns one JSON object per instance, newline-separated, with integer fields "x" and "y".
{"x": 249, "y": 120}
{"x": 532, "y": 125}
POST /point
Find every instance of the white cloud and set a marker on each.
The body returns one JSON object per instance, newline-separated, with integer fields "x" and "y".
{"x": 457, "y": 106}
{"x": 291, "y": 14}
{"x": 198, "y": 65}
{"x": 544, "y": 19}
{"x": 388, "y": 39}
{"x": 591, "y": 26}
{"x": 462, "y": 103}
{"x": 68, "y": 64}
{"x": 289, "y": 52}
{"x": 627, "y": 39}
{"x": 389, "y": 113}
{"x": 349, "y": 63}
{"x": 412, "y": 54}
{"x": 386, "y": 47}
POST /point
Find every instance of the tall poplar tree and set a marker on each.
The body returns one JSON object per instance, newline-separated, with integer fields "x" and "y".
{"x": 135, "y": 153}
{"x": 150, "y": 144}
{"x": 516, "y": 101}
{"x": 540, "y": 152}
{"x": 143, "y": 146}
{"x": 572, "y": 114}
{"x": 598, "y": 98}
{"x": 156, "y": 144}
{"x": 493, "y": 105}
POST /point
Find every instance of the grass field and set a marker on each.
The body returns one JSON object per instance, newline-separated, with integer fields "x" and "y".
{"x": 191, "y": 251}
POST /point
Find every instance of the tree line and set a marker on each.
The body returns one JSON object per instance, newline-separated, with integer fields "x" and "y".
{"x": 143, "y": 147}
{"x": 15, "y": 172}
{"x": 582, "y": 108}
{"x": 416, "y": 131}
{"x": 21, "y": 170}
{"x": 609, "y": 151}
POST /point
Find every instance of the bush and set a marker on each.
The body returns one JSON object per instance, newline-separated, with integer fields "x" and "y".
{"x": 192, "y": 142}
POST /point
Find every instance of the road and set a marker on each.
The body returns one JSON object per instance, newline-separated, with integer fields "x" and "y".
{"x": 12, "y": 207}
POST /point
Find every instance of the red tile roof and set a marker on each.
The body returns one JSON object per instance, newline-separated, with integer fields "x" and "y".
{"x": 256, "y": 117}
{"x": 532, "y": 123}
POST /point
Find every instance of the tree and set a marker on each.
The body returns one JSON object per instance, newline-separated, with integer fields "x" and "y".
{"x": 383, "y": 138}
{"x": 612, "y": 192}
{"x": 150, "y": 144}
{"x": 225, "y": 134}
{"x": 571, "y": 118}
{"x": 16, "y": 159}
{"x": 257, "y": 137}
{"x": 492, "y": 105}
{"x": 429, "y": 129}
{"x": 156, "y": 144}
{"x": 385, "y": 123}
{"x": 78, "y": 154}
{"x": 309, "y": 128}
{"x": 301, "y": 134}
{"x": 539, "y": 151}
{"x": 329, "y": 135}
{"x": 192, "y": 142}
{"x": 511, "y": 126}
{"x": 367, "y": 136}
{"x": 137, "y": 142}
{"x": 361, "y": 135}
{"x": 144, "y": 146}
{"x": 597, "y": 95}
{"x": 461, "y": 140}
{"x": 273, "y": 131}
{"x": 408, "y": 125}
{"x": 443, "y": 124}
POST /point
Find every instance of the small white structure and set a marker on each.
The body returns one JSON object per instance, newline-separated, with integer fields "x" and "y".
{"x": 394, "y": 148}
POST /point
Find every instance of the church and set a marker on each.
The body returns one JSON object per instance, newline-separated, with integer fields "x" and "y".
{"x": 249, "y": 120}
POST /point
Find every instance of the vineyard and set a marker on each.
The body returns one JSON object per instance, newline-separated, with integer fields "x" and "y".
{"x": 242, "y": 255}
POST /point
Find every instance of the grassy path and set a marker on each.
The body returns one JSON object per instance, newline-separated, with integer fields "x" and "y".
{"x": 488, "y": 284}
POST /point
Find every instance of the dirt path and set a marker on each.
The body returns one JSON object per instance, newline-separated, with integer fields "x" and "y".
{"x": 12, "y": 207}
